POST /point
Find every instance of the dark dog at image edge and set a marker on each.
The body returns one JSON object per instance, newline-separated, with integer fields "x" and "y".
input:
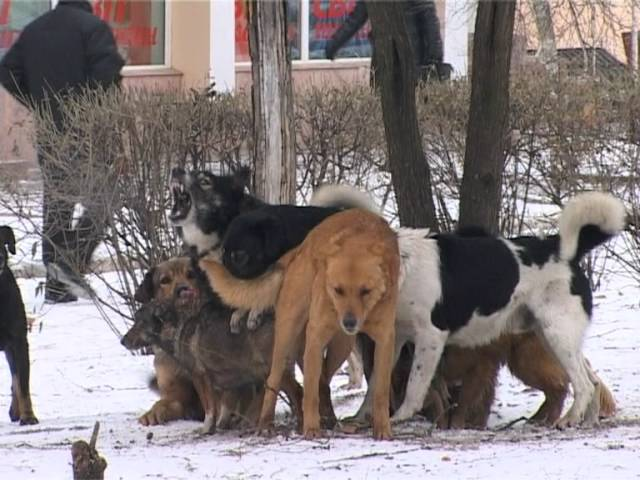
{"x": 227, "y": 370}
{"x": 13, "y": 334}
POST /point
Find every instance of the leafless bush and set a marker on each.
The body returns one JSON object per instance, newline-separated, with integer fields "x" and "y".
{"x": 565, "y": 135}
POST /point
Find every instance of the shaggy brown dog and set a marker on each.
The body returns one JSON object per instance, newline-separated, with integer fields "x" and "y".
{"x": 471, "y": 374}
{"x": 343, "y": 279}
{"x": 183, "y": 318}
{"x": 178, "y": 398}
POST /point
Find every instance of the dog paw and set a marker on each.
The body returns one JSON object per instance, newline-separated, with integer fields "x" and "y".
{"x": 254, "y": 319}
{"x": 311, "y": 433}
{"x": 235, "y": 324}
{"x": 382, "y": 430}
{"x": 401, "y": 415}
{"x": 28, "y": 420}
{"x": 568, "y": 421}
{"x": 209, "y": 426}
{"x": 14, "y": 415}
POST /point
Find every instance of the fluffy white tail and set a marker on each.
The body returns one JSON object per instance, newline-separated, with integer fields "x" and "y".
{"x": 588, "y": 220}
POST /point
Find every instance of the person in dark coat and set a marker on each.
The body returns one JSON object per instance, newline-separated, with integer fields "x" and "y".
{"x": 62, "y": 52}
{"x": 423, "y": 29}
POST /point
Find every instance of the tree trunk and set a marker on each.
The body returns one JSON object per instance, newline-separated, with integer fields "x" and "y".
{"x": 544, "y": 24}
{"x": 395, "y": 74}
{"x": 480, "y": 193}
{"x": 272, "y": 101}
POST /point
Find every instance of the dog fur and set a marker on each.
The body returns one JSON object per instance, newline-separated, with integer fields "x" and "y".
{"x": 13, "y": 334}
{"x": 196, "y": 334}
{"x": 340, "y": 281}
{"x": 248, "y": 236}
{"x": 468, "y": 290}
{"x": 178, "y": 398}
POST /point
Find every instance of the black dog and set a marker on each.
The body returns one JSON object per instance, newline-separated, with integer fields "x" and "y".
{"x": 205, "y": 204}
{"x": 13, "y": 334}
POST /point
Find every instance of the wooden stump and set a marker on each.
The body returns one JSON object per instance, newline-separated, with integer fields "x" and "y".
{"x": 87, "y": 463}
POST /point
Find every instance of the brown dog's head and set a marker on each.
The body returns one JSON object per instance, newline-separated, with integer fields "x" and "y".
{"x": 355, "y": 282}
{"x": 175, "y": 279}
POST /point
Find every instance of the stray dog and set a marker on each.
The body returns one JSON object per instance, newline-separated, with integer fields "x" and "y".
{"x": 205, "y": 204}
{"x": 468, "y": 290}
{"x": 13, "y": 334}
{"x": 227, "y": 370}
{"x": 343, "y": 279}
{"x": 170, "y": 280}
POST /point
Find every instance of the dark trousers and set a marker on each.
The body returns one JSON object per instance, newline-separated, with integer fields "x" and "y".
{"x": 64, "y": 241}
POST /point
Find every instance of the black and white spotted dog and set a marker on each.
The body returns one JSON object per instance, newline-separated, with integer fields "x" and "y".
{"x": 467, "y": 290}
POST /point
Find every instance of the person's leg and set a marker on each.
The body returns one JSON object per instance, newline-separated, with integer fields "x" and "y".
{"x": 57, "y": 213}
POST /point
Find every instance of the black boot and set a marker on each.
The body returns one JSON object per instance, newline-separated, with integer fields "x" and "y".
{"x": 57, "y": 292}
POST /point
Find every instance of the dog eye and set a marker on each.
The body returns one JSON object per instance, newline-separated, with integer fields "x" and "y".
{"x": 364, "y": 292}
{"x": 165, "y": 280}
{"x": 339, "y": 290}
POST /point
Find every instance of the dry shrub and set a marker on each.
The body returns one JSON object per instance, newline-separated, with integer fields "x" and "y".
{"x": 565, "y": 135}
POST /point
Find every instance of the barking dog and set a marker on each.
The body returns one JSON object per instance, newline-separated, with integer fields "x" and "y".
{"x": 340, "y": 281}
{"x": 13, "y": 334}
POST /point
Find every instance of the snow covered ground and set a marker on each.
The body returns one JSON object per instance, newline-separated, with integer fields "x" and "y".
{"x": 81, "y": 374}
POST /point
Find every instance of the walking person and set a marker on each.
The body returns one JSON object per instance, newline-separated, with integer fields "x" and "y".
{"x": 423, "y": 28}
{"x": 60, "y": 53}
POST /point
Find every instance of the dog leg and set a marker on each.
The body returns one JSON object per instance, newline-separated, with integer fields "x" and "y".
{"x": 254, "y": 319}
{"x": 338, "y": 351}
{"x": 363, "y": 416}
{"x": 562, "y": 328}
{"x": 235, "y": 324}
{"x": 354, "y": 369}
{"x": 382, "y": 366}
{"x": 318, "y": 335}
{"x": 18, "y": 358}
{"x": 290, "y": 322}
{"x": 429, "y": 344}
{"x": 293, "y": 391}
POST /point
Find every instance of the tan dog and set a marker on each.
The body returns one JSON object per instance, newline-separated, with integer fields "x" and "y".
{"x": 343, "y": 279}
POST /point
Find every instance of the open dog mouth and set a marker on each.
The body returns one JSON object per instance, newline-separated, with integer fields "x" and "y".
{"x": 185, "y": 294}
{"x": 181, "y": 200}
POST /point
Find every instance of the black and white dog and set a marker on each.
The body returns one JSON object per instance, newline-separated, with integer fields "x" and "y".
{"x": 13, "y": 334}
{"x": 467, "y": 290}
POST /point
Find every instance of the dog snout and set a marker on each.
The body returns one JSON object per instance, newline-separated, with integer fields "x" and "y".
{"x": 183, "y": 290}
{"x": 350, "y": 323}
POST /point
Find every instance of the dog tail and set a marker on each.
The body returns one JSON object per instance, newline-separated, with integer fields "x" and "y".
{"x": 258, "y": 293}
{"x": 607, "y": 402}
{"x": 588, "y": 220}
{"x": 343, "y": 196}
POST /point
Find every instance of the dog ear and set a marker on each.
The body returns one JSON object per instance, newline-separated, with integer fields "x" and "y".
{"x": 7, "y": 238}
{"x": 241, "y": 178}
{"x": 145, "y": 291}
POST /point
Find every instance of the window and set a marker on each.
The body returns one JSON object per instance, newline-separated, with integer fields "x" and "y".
{"x": 325, "y": 17}
{"x": 322, "y": 19}
{"x": 242, "y": 30}
{"x": 139, "y": 28}
{"x": 14, "y": 16}
{"x": 138, "y": 25}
